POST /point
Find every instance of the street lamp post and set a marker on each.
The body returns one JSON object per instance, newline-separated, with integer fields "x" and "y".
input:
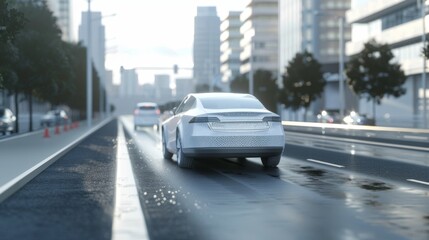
{"x": 89, "y": 69}
{"x": 423, "y": 15}
{"x": 251, "y": 67}
{"x": 341, "y": 66}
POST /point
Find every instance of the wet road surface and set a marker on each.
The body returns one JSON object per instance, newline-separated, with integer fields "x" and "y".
{"x": 224, "y": 198}
{"x": 233, "y": 199}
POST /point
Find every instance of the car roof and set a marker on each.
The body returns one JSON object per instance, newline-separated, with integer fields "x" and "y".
{"x": 221, "y": 95}
{"x": 141, "y": 104}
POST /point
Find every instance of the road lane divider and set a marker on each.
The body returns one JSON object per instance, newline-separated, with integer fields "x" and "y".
{"x": 128, "y": 219}
{"x": 325, "y": 163}
{"x": 418, "y": 181}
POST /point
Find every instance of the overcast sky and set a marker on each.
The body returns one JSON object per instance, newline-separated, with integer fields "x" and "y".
{"x": 157, "y": 33}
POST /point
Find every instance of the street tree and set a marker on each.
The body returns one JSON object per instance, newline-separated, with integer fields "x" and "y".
{"x": 373, "y": 73}
{"x": 303, "y": 82}
{"x": 41, "y": 55}
{"x": 11, "y": 22}
{"x": 201, "y": 88}
{"x": 265, "y": 87}
{"x": 240, "y": 84}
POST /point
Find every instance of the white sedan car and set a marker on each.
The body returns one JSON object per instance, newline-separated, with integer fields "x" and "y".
{"x": 222, "y": 125}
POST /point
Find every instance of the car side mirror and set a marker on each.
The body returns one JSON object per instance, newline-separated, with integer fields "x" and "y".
{"x": 173, "y": 112}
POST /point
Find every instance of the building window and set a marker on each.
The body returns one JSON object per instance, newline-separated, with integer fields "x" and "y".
{"x": 399, "y": 17}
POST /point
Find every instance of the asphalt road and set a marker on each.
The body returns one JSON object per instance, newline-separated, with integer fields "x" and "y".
{"x": 233, "y": 199}
{"x": 226, "y": 198}
{"x": 71, "y": 199}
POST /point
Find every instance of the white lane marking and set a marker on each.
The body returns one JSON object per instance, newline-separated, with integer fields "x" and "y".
{"x": 325, "y": 163}
{"x": 128, "y": 220}
{"x": 415, "y": 137}
{"x": 418, "y": 181}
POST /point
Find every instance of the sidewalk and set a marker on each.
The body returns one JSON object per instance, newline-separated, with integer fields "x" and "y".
{"x": 24, "y": 156}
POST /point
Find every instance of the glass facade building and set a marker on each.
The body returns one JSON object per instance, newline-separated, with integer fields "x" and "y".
{"x": 399, "y": 24}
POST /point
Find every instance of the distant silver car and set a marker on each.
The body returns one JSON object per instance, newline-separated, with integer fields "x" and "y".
{"x": 146, "y": 114}
{"x": 7, "y": 121}
{"x": 54, "y": 118}
{"x": 222, "y": 125}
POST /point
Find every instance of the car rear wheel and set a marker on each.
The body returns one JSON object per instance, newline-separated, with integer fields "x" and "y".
{"x": 271, "y": 162}
{"x": 165, "y": 152}
{"x": 182, "y": 160}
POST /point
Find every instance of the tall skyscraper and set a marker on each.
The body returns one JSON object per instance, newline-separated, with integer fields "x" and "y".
{"x": 129, "y": 83}
{"x": 62, "y": 11}
{"x": 230, "y": 46}
{"x": 162, "y": 88}
{"x": 206, "y": 54}
{"x": 259, "y": 48}
{"x": 98, "y": 40}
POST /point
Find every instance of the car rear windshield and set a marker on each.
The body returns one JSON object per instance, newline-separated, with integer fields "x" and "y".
{"x": 231, "y": 103}
{"x": 147, "y": 107}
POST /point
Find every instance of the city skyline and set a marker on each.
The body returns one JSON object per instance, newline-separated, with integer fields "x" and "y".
{"x": 143, "y": 43}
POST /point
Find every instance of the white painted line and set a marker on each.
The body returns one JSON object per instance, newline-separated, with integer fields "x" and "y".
{"x": 128, "y": 219}
{"x": 415, "y": 137}
{"x": 325, "y": 163}
{"x": 418, "y": 181}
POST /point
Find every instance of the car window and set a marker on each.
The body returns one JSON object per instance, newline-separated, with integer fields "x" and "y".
{"x": 231, "y": 103}
{"x": 147, "y": 108}
{"x": 179, "y": 109}
{"x": 189, "y": 104}
{"x": 2, "y": 111}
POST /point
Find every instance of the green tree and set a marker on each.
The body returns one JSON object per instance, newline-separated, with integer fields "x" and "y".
{"x": 303, "y": 82}
{"x": 265, "y": 87}
{"x": 374, "y": 75}
{"x": 240, "y": 84}
{"x": 41, "y": 57}
{"x": 425, "y": 50}
{"x": 11, "y": 22}
{"x": 201, "y": 88}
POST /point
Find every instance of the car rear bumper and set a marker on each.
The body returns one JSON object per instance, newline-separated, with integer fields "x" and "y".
{"x": 233, "y": 152}
{"x": 146, "y": 121}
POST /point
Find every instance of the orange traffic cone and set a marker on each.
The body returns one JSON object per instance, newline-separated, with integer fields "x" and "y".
{"x": 46, "y": 133}
{"x": 57, "y": 129}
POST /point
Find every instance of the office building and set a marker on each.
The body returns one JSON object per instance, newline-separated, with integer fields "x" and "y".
{"x": 162, "y": 88}
{"x": 314, "y": 26}
{"x": 129, "y": 83}
{"x": 259, "y": 30}
{"x": 399, "y": 24}
{"x": 63, "y": 12}
{"x": 206, "y": 50}
{"x": 230, "y": 46}
{"x": 184, "y": 86}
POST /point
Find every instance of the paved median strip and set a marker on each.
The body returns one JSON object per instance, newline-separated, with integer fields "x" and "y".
{"x": 325, "y": 163}
{"x": 128, "y": 221}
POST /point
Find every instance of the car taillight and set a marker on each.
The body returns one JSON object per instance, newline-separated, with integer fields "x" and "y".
{"x": 158, "y": 112}
{"x": 136, "y": 112}
{"x": 204, "y": 119}
{"x": 272, "y": 119}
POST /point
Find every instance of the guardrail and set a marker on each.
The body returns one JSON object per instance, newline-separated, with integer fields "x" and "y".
{"x": 406, "y": 136}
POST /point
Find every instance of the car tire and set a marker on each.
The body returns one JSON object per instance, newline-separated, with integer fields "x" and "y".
{"x": 182, "y": 160}
{"x": 167, "y": 155}
{"x": 271, "y": 162}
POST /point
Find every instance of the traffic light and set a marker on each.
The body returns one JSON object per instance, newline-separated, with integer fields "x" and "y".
{"x": 175, "y": 68}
